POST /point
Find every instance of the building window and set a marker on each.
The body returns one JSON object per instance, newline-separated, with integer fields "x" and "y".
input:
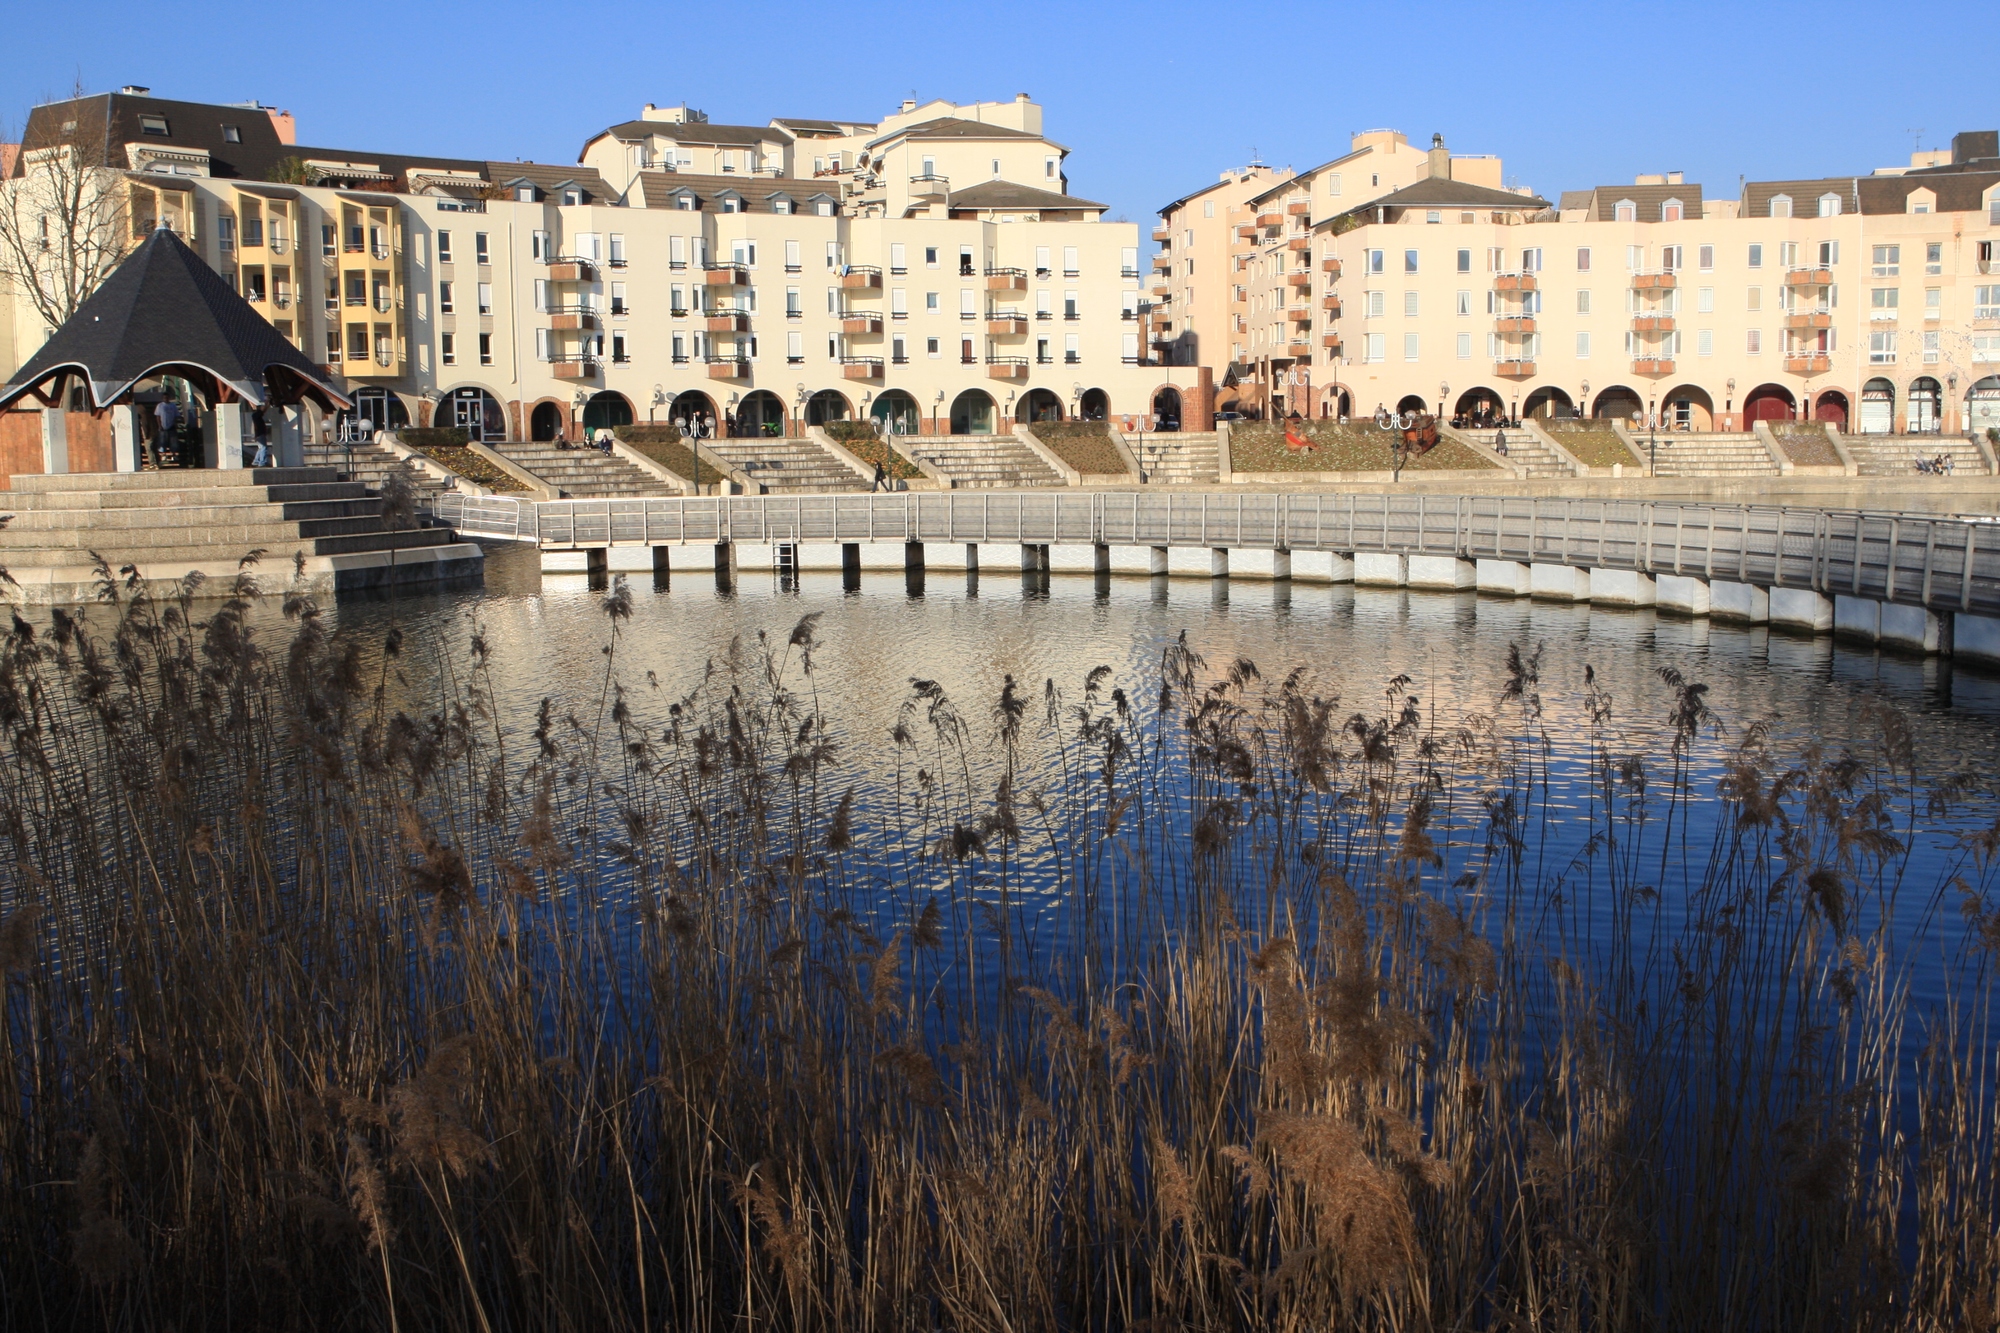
{"x": 1704, "y": 300}
{"x": 1432, "y": 217}
{"x": 1934, "y": 259}
{"x": 1933, "y": 303}
{"x": 333, "y": 347}
{"x": 1704, "y": 343}
{"x": 485, "y": 349}
{"x": 1753, "y": 298}
{"x": 1829, "y": 205}
{"x": 448, "y": 349}
{"x": 232, "y": 134}
{"x": 485, "y": 298}
{"x": 1583, "y": 259}
{"x": 1882, "y": 348}
{"x": 1464, "y": 347}
{"x": 1375, "y": 304}
{"x": 1986, "y": 302}
{"x": 1583, "y": 347}
{"x": 155, "y": 126}
{"x": 1583, "y": 301}
{"x": 1882, "y": 302}
{"x": 1375, "y": 261}
{"x": 1409, "y": 261}
{"x": 1671, "y": 211}
{"x": 1756, "y": 256}
{"x": 1465, "y": 303}
{"x": 1888, "y": 261}
{"x": 1410, "y": 305}
{"x": 1374, "y": 347}
{"x": 1465, "y": 261}
{"x": 445, "y": 306}
{"x": 1410, "y": 347}
{"x": 1754, "y": 342}
{"x": 1625, "y": 211}
{"x": 1049, "y": 167}
{"x": 1781, "y": 205}
{"x": 1932, "y": 353}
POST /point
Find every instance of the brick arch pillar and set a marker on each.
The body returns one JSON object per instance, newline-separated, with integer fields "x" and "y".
{"x": 1198, "y": 402}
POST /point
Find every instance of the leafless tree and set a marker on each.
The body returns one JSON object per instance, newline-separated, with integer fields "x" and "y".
{"x": 63, "y": 226}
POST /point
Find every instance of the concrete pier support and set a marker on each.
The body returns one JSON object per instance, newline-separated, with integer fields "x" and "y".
{"x": 1507, "y": 578}
{"x": 596, "y": 561}
{"x": 1218, "y": 563}
{"x": 1681, "y": 595}
{"x": 1622, "y": 587}
{"x": 1743, "y": 602}
{"x": 125, "y": 438}
{"x": 913, "y": 558}
{"x": 972, "y": 557}
{"x": 1100, "y": 559}
{"x": 1321, "y": 567}
{"x": 1800, "y": 610}
{"x": 1157, "y": 562}
{"x": 1375, "y": 569}
{"x": 1559, "y": 583}
{"x": 1976, "y": 639}
{"x": 660, "y": 558}
{"x": 1441, "y": 572}
{"x": 1912, "y": 629}
{"x": 725, "y": 565}
{"x": 850, "y": 559}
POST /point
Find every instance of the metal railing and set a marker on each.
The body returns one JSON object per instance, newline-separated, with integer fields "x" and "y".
{"x": 1944, "y": 564}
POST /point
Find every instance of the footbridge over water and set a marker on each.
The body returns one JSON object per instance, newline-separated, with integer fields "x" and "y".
{"x": 1918, "y": 582}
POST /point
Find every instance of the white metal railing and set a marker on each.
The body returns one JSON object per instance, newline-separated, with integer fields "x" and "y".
{"x": 1941, "y": 563}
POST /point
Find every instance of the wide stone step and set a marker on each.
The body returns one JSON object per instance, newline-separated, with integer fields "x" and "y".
{"x": 171, "y": 479}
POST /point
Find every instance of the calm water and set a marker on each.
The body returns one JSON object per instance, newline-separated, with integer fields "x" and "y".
{"x": 969, "y": 633}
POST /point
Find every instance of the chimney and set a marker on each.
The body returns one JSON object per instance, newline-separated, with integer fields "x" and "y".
{"x": 1676, "y": 178}
{"x": 135, "y": 90}
{"x": 1020, "y": 97}
{"x": 909, "y": 105}
{"x": 1440, "y": 163}
{"x": 282, "y": 122}
{"x": 1975, "y": 145}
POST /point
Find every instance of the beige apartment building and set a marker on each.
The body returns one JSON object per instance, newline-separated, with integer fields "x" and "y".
{"x": 931, "y": 270}
{"x": 1873, "y": 301}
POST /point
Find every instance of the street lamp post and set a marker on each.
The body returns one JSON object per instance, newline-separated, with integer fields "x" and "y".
{"x": 1583, "y": 402}
{"x": 1729, "y": 398}
{"x": 659, "y": 401}
{"x": 1652, "y": 438}
{"x": 1444, "y": 396}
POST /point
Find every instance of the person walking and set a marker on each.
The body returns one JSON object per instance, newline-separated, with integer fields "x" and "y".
{"x": 168, "y": 414}
{"x": 881, "y": 478}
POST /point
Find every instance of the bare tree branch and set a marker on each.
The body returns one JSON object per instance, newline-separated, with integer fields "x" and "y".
{"x": 63, "y": 223}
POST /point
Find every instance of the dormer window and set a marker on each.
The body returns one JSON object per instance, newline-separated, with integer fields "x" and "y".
{"x": 781, "y": 204}
{"x": 685, "y": 202}
{"x": 1781, "y": 205}
{"x": 1625, "y": 211}
{"x": 730, "y": 203}
{"x": 823, "y": 208}
{"x": 571, "y": 198}
{"x": 232, "y": 134}
{"x": 1671, "y": 211}
{"x": 154, "y": 125}
{"x": 524, "y": 194}
{"x": 1920, "y": 201}
{"x": 1829, "y": 205}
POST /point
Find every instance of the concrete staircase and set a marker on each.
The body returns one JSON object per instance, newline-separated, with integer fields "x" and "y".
{"x": 169, "y": 523}
{"x": 1525, "y": 450}
{"x": 779, "y": 466}
{"x": 1192, "y": 458}
{"x": 1897, "y": 455}
{"x": 370, "y": 464}
{"x": 1718, "y": 455}
{"x": 981, "y": 461}
{"x": 582, "y": 474}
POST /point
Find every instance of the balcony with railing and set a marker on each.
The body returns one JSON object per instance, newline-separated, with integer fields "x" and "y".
{"x": 574, "y": 366}
{"x": 861, "y": 367}
{"x": 1299, "y": 281}
{"x": 860, "y": 321}
{"x": 1162, "y": 235}
{"x": 1657, "y": 280}
{"x": 1809, "y": 277}
{"x": 727, "y": 367}
{"x": 725, "y": 275}
{"x": 1800, "y": 320}
{"x": 1006, "y": 280}
{"x": 1299, "y": 245}
{"x": 1007, "y": 367}
{"x": 1297, "y": 349}
{"x": 1514, "y": 324}
{"x": 1652, "y": 365}
{"x": 571, "y": 268}
{"x": 1270, "y": 219}
{"x": 1331, "y": 306}
{"x": 1330, "y": 266}
{"x": 1299, "y": 208}
{"x": 1513, "y": 282}
{"x": 1514, "y": 368}
{"x": 1006, "y": 323}
{"x": 1652, "y": 323}
{"x": 572, "y": 317}
{"x": 930, "y": 185}
{"x": 1331, "y": 342}
{"x": 1807, "y": 363}
{"x": 727, "y": 319}
{"x": 1246, "y": 231}
{"x": 861, "y": 278}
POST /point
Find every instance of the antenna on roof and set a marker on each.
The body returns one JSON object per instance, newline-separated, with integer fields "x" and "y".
{"x": 1255, "y": 161}
{"x": 1916, "y": 139}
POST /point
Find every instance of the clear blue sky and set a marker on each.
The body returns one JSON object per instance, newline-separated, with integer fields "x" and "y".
{"x": 1154, "y": 99}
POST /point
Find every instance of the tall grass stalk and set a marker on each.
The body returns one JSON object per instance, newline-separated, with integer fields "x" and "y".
{"x": 337, "y": 998}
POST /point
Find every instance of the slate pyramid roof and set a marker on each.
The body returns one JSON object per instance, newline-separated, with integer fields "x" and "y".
{"x": 165, "y": 307}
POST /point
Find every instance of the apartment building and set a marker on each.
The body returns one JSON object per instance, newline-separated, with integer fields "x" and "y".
{"x": 1872, "y": 301}
{"x": 931, "y": 269}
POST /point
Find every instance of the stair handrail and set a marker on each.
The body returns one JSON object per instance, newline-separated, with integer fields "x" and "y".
{"x": 542, "y": 490}
{"x": 431, "y": 467}
{"x": 1577, "y": 467}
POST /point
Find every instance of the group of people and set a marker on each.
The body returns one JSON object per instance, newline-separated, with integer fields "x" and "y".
{"x": 1487, "y": 416}
{"x": 1940, "y": 466}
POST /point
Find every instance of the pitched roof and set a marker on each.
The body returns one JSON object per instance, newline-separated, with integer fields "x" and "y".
{"x": 1648, "y": 201}
{"x": 1007, "y": 194}
{"x": 1956, "y": 190}
{"x": 1165, "y": 209}
{"x": 1575, "y": 199}
{"x": 107, "y": 122}
{"x": 659, "y": 188}
{"x": 1439, "y": 192}
{"x": 1804, "y": 194}
{"x": 832, "y": 127}
{"x": 695, "y": 131}
{"x": 951, "y": 127}
{"x": 547, "y": 177}
{"x": 165, "y": 307}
